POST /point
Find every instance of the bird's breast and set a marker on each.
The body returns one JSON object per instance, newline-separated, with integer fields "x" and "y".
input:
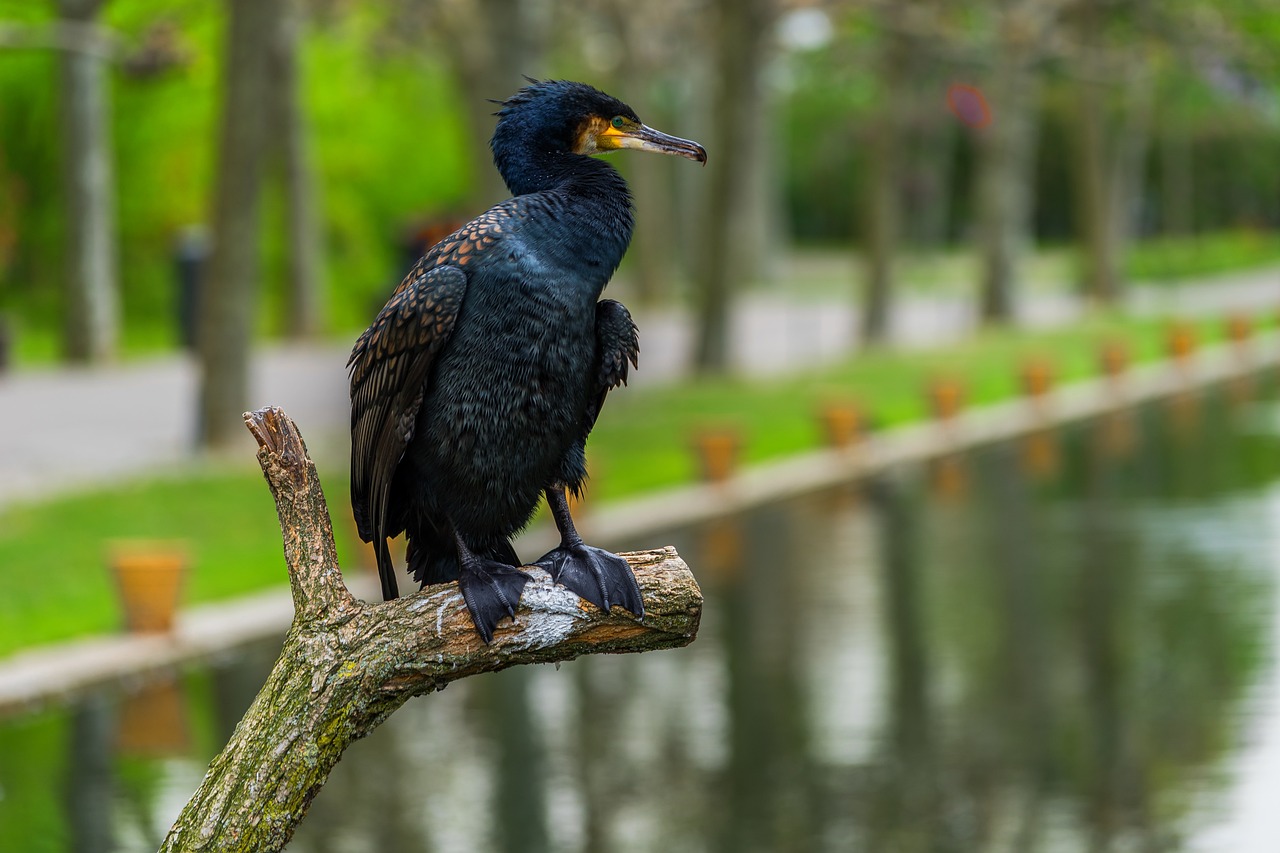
{"x": 510, "y": 389}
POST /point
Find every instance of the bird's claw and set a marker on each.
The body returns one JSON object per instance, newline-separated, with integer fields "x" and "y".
{"x": 492, "y": 591}
{"x": 596, "y": 575}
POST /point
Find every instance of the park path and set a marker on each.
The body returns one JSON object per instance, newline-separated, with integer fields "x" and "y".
{"x": 63, "y": 429}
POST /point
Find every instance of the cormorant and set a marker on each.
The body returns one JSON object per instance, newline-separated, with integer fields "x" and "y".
{"x": 475, "y": 388}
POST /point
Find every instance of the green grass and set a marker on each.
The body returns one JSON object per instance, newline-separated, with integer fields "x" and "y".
{"x": 643, "y": 439}
{"x": 1175, "y": 258}
{"x": 54, "y": 583}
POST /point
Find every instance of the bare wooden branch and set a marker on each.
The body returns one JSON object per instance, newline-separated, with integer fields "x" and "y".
{"x": 346, "y": 665}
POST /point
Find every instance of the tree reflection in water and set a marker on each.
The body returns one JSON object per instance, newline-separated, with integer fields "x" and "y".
{"x": 1047, "y": 648}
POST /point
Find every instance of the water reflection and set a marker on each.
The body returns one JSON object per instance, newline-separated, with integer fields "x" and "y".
{"x": 1055, "y": 644}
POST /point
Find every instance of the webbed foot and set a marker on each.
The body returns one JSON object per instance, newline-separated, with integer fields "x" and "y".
{"x": 492, "y": 591}
{"x": 600, "y": 577}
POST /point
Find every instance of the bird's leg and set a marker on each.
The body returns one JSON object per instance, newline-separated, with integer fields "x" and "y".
{"x": 600, "y": 577}
{"x": 491, "y": 589}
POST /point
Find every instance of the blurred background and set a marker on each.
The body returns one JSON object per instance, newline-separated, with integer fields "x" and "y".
{"x": 1061, "y": 642}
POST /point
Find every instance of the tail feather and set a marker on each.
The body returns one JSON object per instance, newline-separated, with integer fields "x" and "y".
{"x": 433, "y": 559}
{"x": 387, "y": 571}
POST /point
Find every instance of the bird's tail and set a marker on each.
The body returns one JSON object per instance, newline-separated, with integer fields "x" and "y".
{"x": 386, "y": 570}
{"x": 433, "y": 559}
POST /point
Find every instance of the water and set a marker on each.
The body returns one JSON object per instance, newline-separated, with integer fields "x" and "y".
{"x": 1065, "y": 643}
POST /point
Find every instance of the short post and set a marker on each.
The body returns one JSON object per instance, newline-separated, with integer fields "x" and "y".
{"x": 149, "y": 576}
{"x": 841, "y": 423}
{"x": 1113, "y": 359}
{"x": 1037, "y": 376}
{"x": 1239, "y": 331}
{"x": 946, "y": 397}
{"x": 1180, "y": 342}
{"x": 718, "y": 450}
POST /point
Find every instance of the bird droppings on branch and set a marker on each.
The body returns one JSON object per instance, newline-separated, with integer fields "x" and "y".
{"x": 347, "y": 665}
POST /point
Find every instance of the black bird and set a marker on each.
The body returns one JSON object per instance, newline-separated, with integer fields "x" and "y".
{"x": 475, "y": 388}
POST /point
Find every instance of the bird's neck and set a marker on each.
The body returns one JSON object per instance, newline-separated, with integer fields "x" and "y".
{"x": 533, "y": 171}
{"x": 591, "y": 206}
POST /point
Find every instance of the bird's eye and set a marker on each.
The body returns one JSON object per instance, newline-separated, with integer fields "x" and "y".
{"x": 617, "y": 121}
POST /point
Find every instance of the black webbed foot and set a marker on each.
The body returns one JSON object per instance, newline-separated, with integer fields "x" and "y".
{"x": 600, "y": 577}
{"x": 492, "y": 591}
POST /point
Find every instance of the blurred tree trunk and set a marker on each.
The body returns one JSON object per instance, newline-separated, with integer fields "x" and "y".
{"x": 1100, "y": 260}
{"x": 761, "y": 224}
{"x": 1111, "y": 150}
{"x": 1176, "y": 184}
{"x": 883, "y": 200}
{"x": 1133, "y": 147}
{"x": 491, "y": 45}
{"x": 931, "y": 151}
{"x": 92, "y": 282}
{"x": 654, "y": 261}
{"x": 1004, "y": 179}
{"x": 303, "y": 306}
{"x": 227, "y": 300}
{"x": 743, "y": 26}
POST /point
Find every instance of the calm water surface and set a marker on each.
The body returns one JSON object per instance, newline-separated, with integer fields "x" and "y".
{"x": 1064, "y": 643}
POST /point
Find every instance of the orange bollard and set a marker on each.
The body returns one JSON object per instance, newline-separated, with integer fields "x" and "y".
{"x": 841, "y": 423}
{"x": 1239, "y": 329}
{"x": 149, "y": 576}
{"x": 1113, "y": 358}
{"x": 1180, "y": 340}
{"x": 1037, "y": 377}
{"x": 946, "y": 397}
{"x": 717, "y": 450}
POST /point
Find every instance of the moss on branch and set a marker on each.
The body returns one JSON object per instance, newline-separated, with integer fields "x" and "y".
{"x": 347, "y": 665}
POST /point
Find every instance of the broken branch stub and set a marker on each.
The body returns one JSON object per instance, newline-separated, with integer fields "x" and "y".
{"x": 346, "y": 665}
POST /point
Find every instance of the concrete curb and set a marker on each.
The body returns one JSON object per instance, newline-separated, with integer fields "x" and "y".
{"x": 58, "y": 672}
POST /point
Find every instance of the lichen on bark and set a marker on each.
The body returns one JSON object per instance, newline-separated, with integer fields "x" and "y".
{"x": 347, "y": 665}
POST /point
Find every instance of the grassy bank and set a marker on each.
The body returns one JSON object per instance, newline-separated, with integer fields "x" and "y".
{"x": 1165, "y": 259}
{"x": 53, "y": 584}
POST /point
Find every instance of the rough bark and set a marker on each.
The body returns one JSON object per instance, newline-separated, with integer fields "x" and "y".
{"x": 92, "y": 281}
{"x": 347, "y": 665}
{"x": 228, "y": 297}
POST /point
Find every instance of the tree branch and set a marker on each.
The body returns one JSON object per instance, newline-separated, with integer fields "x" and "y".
{"x": 347, "y": 665}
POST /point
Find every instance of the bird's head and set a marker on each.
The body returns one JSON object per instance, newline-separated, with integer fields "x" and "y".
{"x": 563, "y": 117}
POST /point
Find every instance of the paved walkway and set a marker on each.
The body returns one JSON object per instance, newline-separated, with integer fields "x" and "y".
{"x": 66, "y": 429}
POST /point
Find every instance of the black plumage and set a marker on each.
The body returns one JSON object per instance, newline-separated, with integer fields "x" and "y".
{"x": 475, "y": 388}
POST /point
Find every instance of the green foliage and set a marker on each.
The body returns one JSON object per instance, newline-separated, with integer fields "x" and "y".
{"x": 386, "y": 148}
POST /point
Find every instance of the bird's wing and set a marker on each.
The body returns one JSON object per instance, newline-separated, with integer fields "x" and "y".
{"x": 389, "y": 367}
{"x": 617, "y": 350}
{"x": 471, "y": 240}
